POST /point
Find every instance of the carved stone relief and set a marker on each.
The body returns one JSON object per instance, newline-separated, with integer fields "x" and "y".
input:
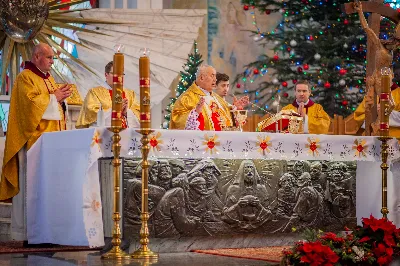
{"x": 215, "y": 197}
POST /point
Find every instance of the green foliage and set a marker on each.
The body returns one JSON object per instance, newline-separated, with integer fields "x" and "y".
{"x": 315, "y": 41}
{"x": 188, "y": 76}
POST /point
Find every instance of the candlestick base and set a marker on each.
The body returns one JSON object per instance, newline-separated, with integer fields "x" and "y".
{"x": 145, "y": 262}
{"x": 144, "y": 254}
{"x": 116, "y": 253}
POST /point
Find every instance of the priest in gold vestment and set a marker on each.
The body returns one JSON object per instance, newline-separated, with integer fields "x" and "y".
{"x": 394, "y": 117}
{"x": 36, "y": 106}
{"x": 98, "y": 103}
{"x": 316, "y": 120}
{"x": 199, "y": 108}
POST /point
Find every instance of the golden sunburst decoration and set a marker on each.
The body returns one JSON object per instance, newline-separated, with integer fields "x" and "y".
{"x": 96, "y": 140}
{"x": 264, "y": 144}
{"x": 211, "y": 143}
{"x": 24, "y": 23}
{"x": 155, "y": 141}
{"x": 313, "y": 145}
{"x": 360, "y": 147}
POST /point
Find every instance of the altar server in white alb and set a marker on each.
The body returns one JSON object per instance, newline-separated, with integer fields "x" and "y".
{"x": 96, "y": 109}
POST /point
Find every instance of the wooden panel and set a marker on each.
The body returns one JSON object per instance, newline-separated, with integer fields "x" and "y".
{"x": 341, "y": 126}
{"x": 252, "y": 122}
{"x": 351, "y": 127}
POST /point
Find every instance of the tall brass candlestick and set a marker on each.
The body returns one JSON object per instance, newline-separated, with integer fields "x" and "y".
{"x": 384, "y": 132}
{"x": 116, "y": 126}
{"x": 144, "y": 251}
{"x": 118, "y": 85}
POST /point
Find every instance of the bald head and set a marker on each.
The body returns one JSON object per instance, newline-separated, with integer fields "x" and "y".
{"x": 206, "y": 77}
{"x": 42, "y": 57}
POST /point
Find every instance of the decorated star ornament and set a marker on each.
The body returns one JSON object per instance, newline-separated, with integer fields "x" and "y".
{"x": 360, "y": 148}
{"x": 155, "y": 141}
{"x": 263, "y": 144}
{"x": 211, "y": 143}
{"x": 313, "y": 145}
{"x": 25, "y": 23}
{"x": 96, "y": 140}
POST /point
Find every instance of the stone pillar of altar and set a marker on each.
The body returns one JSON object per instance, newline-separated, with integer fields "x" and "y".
{"x": 106, "y": 171}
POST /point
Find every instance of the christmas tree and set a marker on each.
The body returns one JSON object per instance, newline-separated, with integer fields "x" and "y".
{"x": 314, "y": 41}
{"x": 188, "y": 76}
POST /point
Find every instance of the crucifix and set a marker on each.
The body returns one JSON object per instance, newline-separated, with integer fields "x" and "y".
{"x": 379, "y": 52}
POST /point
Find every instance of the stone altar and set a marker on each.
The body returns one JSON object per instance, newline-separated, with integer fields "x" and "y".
{"x": 222, "y": 186}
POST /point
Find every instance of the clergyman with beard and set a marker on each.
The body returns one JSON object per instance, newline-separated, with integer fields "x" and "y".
{"x": 246, "y": 199}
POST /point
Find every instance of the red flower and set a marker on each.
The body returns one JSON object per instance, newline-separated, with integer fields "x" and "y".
{"x": 287, "y": 252}
{"x": 350, "y": 237}
{"x": 364, "y": 239}
{"x": 389, "y": 240}
{"x": 332, "y": 237}
{"x": 318, "y": 254}
{"x": 383, "y": 253}
{"x": 384, "y": 260}
{"x": 375, "y": 224}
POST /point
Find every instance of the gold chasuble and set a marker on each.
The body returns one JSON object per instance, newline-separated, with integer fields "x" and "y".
{"x": 359, "y": 113}
{"x": 318, "y": 119}
{"x": 215, "y": 110}
{"x": 100, "y": 96}
{"x": 30, "y": 98}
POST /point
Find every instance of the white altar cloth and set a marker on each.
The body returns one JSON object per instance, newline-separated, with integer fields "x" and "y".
{"x": 63, "y": 192}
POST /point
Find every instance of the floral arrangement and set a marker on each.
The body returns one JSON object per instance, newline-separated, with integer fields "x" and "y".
{"x": 376, "y": 242}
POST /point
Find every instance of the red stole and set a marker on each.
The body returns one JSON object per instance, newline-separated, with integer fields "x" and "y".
{"x": 201, "y": 121}
{"x": 124, "y": 121}
{"x": 215, "y": 119}
{"x": 309, "y": 104}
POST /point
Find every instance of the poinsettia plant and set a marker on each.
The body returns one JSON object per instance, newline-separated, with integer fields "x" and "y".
{"x": 376, "y": 242}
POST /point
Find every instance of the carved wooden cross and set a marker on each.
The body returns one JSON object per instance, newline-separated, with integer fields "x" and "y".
{"x": 377, "y": 9}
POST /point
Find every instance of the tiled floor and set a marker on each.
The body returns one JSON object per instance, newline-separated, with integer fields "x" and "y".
{"x": 93, "y": 259}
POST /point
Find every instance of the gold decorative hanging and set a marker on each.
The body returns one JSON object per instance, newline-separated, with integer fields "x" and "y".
{"x": 25, "y": 23}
